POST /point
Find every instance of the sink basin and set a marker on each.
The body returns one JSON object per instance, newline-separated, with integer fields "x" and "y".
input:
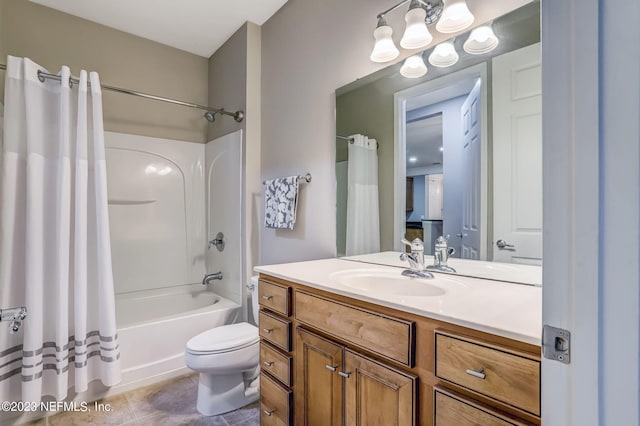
{"x": 382, "y": 281}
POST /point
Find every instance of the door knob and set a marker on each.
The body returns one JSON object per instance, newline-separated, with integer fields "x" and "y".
{"x": 502, "y": 244}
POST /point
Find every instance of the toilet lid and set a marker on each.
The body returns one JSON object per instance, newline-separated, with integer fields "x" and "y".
{"x": 224, "y": 338}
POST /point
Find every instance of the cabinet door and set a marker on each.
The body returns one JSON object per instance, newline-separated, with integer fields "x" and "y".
{"x": 318, "y": 386}
{"x": 376, "y": 394}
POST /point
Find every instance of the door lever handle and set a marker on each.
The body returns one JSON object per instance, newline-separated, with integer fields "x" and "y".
{"x": 502, "y": 244}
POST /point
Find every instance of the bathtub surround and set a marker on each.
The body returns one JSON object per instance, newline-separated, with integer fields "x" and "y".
{"x": 55, "y": 248}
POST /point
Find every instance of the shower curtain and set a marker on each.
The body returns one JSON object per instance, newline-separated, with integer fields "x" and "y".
{"x": 363, "y": 218}
{"x": 55, "y": 255}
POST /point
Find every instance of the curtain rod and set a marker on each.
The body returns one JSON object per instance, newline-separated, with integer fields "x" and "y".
{"x": 351, "y": 140}
{"x": 237, "y": 116}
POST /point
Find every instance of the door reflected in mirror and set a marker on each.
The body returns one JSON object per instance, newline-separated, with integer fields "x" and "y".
{"x": 459, "y": 150}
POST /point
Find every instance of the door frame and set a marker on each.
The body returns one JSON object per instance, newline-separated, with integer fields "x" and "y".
{"x": 399, "y": 147}
{"x": 591, "y": 206}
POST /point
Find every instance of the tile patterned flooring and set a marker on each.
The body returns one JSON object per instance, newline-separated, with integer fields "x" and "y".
{"x": 168, "y": 403}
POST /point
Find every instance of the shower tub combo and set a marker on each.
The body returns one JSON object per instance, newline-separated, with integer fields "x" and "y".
{"x": 160, "y": 209}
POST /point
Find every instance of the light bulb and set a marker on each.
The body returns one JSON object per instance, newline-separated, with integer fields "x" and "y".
{"x": 444, "y": 55}
{"x": 456, "y": 16}
{"x": 384, "y": 50}
{"x": 413, "y": 67}
{"x": 416, "y": 33}
{"x": 481, "y": 40}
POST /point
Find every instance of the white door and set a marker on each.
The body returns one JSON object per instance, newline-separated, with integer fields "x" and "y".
{"x": 517, "y": 156}
{"x": 470, "y": 228}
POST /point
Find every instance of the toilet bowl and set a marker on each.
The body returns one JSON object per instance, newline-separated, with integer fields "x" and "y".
{"x": 227, "y": 358}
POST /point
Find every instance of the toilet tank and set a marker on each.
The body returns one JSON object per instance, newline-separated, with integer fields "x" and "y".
{"x": 253, "y": 284}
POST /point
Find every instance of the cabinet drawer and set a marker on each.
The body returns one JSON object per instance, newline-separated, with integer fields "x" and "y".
{"x": 454, "y": 410}
{"x": 495, "y": 372}
{"x": 275, "y": 297}
{"x": 389, "y": 337}
{"x": 275, "y": 403}
{"x": 276, "y": 363}
{"x": 275, "y": 330}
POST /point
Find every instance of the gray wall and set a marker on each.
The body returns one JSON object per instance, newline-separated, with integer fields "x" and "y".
{"x": 309, "y": 49}
{"x": 53, "y": 38}
{"x": 227, "y": 83}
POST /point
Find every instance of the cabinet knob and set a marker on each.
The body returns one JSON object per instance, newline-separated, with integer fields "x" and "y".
{"x": 267, "y": 297}
{"x": 479, "y": 373}
{"x": 345, "y": 374}
{"x": 331, "y": 367}
{"x": 268, "y": 363}
{"x": 268, "y": 412}
{"x": 267, "y": 330}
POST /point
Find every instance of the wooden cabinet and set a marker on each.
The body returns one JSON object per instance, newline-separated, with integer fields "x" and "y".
{"x": 276, "y": 395}
{"x": 275, "y": 402}
{"x": 318, "y": 387}
{"x": 331, "y": 378}
{"x": 496, "y": 372}
{"x": 342, "y": 361}
{"x": 452, "y": 409}
{"x": 377, "y": 394}
{"x": 409, "y": 194}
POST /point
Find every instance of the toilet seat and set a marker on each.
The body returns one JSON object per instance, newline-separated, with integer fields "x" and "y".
{"x": 222, "y": 339}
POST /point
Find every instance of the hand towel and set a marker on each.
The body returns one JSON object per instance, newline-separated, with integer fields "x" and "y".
{"x": 280, "y": 202}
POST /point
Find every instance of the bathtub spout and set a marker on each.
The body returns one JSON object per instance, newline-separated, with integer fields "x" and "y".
{"x": 210, "y": 277}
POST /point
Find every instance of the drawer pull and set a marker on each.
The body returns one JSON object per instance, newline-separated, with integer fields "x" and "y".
{"x": 268, "y": 363}
{"x": 331, "y": 367}
{"x": 267, "y": 297}
{"x": 479, "y": 373}
{"x": 267, "y": 330}
{"x": 269, "y": 412}
{"x": 345, "y": 374}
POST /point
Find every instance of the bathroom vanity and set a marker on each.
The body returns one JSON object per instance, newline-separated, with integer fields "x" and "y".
{"x": 347, "y": 343}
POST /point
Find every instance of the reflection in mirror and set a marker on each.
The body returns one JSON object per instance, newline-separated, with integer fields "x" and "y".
{"x": 459, "y": 150}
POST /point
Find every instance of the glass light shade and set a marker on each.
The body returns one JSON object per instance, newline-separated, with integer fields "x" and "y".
{"x": 384, "y": 50}
{"x": 444, "y": 55}
{"x": 481, "y": 40}
{"x": 456, "y": 16}
{"x": 416, "y": 33}
{"x": 413, "y": 67}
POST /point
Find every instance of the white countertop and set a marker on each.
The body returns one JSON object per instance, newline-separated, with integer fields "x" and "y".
{"x": 505, "y": 309}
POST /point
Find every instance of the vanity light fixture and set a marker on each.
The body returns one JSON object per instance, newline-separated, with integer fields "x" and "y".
{"x": 412, "y": 159}
{"x": 384, "y": 50}
{"x": 456, "y": 16}
{"x": 481, "y": 40}
{"x": 444, "y": 55}
{"x": 413, "y": 67}
{"x": 416, "y": 33}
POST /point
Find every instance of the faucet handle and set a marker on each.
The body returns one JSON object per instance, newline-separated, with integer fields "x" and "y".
{"x": 416, "y": 244}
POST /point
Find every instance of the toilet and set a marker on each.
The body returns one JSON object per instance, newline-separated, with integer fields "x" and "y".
{"x": 227, "y": 358}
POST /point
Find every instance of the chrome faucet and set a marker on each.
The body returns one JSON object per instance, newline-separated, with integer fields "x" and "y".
{"x": 15, "y": 315}
{"x": 441, "y": 255}
{"x": 416, "y": 259}
{"x": 210, "y": 277}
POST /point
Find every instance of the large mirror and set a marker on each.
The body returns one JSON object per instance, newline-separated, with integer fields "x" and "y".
{"x": 456, "y": 153}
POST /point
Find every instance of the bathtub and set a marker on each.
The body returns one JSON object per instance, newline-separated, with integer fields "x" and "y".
{"x": 155, "y": 325}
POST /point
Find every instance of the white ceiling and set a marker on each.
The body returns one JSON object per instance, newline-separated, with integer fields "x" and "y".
{"x": 196, "y": 26}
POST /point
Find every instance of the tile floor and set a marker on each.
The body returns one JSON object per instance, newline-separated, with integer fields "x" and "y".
{"x": 168, "y": 403}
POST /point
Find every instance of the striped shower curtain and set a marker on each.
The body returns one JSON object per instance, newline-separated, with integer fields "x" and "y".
{"x": 55, "y": 255}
